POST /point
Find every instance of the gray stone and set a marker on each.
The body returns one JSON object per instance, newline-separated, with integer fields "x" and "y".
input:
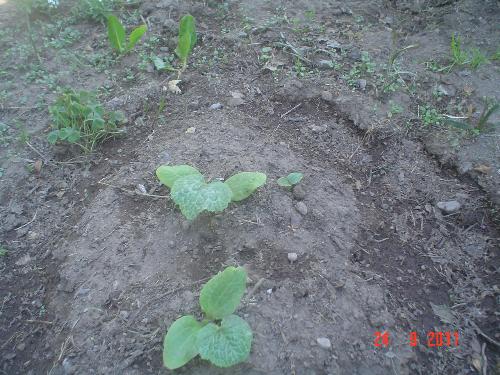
{"x": 216, "y": 106}
{"x": 333, "y": 44}
{"x": 324, "y": 342}
{"x": 234, "y": 102}
{"x": 298, "y": 192}
{"x": 449, "y": 206}
{"x": 361, "y": 84}
{"x": 325, "y": 64}
{"x": 318, "y": 128}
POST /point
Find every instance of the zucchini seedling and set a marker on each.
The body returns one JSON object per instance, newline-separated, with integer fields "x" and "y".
{"x": 189, "y": 190}
{"x": 116, "y": 35}
{"x": 292, "y": 179}
{"x": 224, "y": 345}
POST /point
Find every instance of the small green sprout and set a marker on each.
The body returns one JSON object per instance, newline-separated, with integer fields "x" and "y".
{"x": 116, "y": 35}
{"x": 3, "y": 251}
{"x": 189, "y": 190}
{"x": 186, "y": 40}
{"x": 224, "y": 345}
{"x": 292, "y": 179}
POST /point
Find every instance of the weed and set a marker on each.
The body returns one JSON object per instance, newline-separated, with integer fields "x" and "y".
{"x": 189, "y": 190}
{"x": 430, "y": 116}
{"x": 3, "y": 250}
{"x": 394, "y": 109}
{"x": 299, "y": 68}
{"x": 489, "y": 108}
{"x": 116, "y": 35}
{"x": 266, "y": 54}
{"x": 292, "y": 179}
{"x": 97, "y": 10}
{"x": 364, "y": 68}
{"x": 459, "y": 57}
{"x": 224, "y": 345}
{"x": 477, "y": 58}
{"x": 78, "y": 118}
{"x": 496, "y": 55}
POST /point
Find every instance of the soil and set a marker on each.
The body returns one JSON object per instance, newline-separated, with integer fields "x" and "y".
{"x": 95, "y": 273}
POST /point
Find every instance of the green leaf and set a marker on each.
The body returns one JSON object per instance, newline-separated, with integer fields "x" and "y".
{"x": 292, "y": 179}
{"x": 169, "y": 174}
{"x": 135, "y": 35}
{"x": 53, "y": 136}
{"x": 187, "y": 38}
{"x": 179, "y": 345}
{"x": 116, "y": 34}
{"x": 74, "y": 135}
{"x": 160, "y": 64}
{"x": 64, "y": 133}
{"x": 458, "y": 124}
{"x": 194, "y": 196}
{"x": 226, "y": 345}
{"x": 243, "y": 184}
{"x": 221, "y": 295}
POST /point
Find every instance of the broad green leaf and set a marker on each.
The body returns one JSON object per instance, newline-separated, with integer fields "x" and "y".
{"x": 226, "y": 345}
{"x": 135, "y": 35}
{"x": 292, "y": 179}
{"x": 116, "y": 33}
{"x": 64, "y": 133}
{"x": 179, "y": 345}
{"x": 74, "y": 135}
{"x": 187, "y": 37}
{"x": 169, "y": 174}
{"x": 221, "y": 295}
{"x": 53, "y": 136}
{"x": 194, "y": 196}
{"x": 295, "y": 177}
{"x": 161, "y": 64}
{"x": 243, "y": 184}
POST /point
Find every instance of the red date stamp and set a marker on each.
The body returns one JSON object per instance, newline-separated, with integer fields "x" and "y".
{"x": 434, "y": 339}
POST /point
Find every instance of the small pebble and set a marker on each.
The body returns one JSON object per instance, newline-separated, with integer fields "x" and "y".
{"x": 216, "y": 106}
{"x": 292, "y": 257}
{"x": 449, "y": 206}
{"x": 142, "y": 188}
{"x": 234, "y": 102}
{"x": 361, "y": 83}
{"x": 298, "y": 192}
{"x": 269, "y": 291}
{"x": 324, "y": 342}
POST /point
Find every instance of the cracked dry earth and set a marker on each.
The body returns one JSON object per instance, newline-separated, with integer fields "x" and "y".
{"x": 375, "y": 254}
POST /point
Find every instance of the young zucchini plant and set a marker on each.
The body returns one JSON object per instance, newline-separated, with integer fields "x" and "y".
{"x": 116, "y": 35}
{"x": 185, "y": 43}
{"x": 292, "y": 179}
{"x": 189, "y": 190}
{"x": 223, "y": 345}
